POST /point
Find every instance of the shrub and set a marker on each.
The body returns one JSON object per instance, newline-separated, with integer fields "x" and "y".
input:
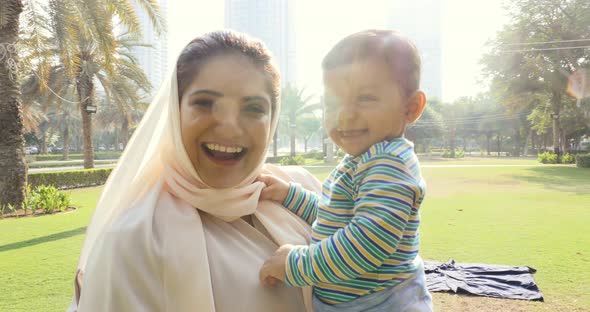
{"x": 6, "y": 208}
{"x": 314, "y": 155}
{"x": 583, "y": 161}
{"x": 49, "y": 199}
{"x": 297, "y": 160}
{"x": 97, "y": 156}
{"x": 68, "y": 163}
{"x": 547, "y": 158}
{"x": 274, "y": 160}
{"x": 30, "y": 201}
{"x": 46, "y": 198}
{"x": 71, "y": 178}
{"x": 458, "y": 154}
{"x": 568, "y": 159}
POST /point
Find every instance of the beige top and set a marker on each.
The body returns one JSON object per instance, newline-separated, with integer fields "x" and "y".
{"x": 165, "y": 255}
{"x": 249, "y": 246}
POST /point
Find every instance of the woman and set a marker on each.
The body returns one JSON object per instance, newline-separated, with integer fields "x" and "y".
{"x": 179, "y": 226}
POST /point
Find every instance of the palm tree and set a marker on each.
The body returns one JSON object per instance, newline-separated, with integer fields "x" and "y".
{"x": 84, "y": 35}
{"x": 294, "y": 105}
{"x": 126, "y": 88}
{"x": 59, "y": 92}
{"x": 13, "y": 170}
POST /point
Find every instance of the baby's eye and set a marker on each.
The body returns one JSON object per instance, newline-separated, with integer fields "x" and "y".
{"x": 366, "y": 98}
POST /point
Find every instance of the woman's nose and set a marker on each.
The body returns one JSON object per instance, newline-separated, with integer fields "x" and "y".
{"x": 227, "y": 117}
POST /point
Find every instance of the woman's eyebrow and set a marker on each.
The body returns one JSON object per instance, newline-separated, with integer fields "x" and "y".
{"x": 207, "y": 92}
{"x": 255, "y": 98}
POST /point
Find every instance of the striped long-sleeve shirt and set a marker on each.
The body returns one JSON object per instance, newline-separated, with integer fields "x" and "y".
{"x": 364, "y": 225}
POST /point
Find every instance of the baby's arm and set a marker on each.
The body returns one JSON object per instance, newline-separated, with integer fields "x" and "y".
{"x": 293, "y": 196}
{"x": 386, "y": 195}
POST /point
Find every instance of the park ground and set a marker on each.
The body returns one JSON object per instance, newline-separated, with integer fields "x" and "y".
{"x": 484, "y": 210}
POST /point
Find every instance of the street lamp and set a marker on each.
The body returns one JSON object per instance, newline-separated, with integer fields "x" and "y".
{"x": 91, "y": 109}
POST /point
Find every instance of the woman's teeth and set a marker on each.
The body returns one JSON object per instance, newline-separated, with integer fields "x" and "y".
{"x": 224, "y": 149}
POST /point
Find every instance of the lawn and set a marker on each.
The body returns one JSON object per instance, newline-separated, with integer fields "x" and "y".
{"x": 535, "y": 216}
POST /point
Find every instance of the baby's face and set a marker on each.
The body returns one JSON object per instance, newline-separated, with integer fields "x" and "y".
{"x": 364, "y": 105}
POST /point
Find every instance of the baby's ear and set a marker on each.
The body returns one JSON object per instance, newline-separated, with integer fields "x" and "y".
{"x": 416, "y": 104}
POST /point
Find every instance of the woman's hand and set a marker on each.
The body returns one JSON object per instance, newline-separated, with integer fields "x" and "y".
{"x": 273, "y": 270}
{"x": 276, "y": 189}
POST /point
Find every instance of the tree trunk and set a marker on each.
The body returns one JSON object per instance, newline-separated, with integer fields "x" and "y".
{"x": 564, "y": 143}
{"x": 292, "y": 139}
{"x": 43, "y": 142}
{"x": 545, "y": 142}
{"x": 499, "y": 139}
{"x": 292, "y": 136}
{"x": 275, "y": 143}
{"x": 489, "y": 146}
{"x": 13, "y": 169}
{"x": 556, "y": 135}
{"x": 66, "y": 138}
{"x": 556, "y": 103}
{"x": 125, "y": 132}
{"x": 324, "y": 144}
{"x": 517, "y": 142}
{"x": 85, "y": 88}
{"x": 452, "y": 143}
{"x": 529, "y": 138}
{"x": 465, "y": 144}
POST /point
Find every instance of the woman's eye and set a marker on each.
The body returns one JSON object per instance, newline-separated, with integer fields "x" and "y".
{"x": 255, "y": 108}
{"x": 205, "y": 103}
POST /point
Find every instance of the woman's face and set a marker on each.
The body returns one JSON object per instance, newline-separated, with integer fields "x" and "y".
{"x": 225, "y": 119}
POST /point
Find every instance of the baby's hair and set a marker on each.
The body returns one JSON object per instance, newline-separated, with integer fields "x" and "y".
{"x": 390, "y": 46}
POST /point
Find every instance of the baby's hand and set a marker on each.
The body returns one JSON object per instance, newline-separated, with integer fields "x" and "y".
{"x": 276, "y": 189}
{"x": 273, "y": 270}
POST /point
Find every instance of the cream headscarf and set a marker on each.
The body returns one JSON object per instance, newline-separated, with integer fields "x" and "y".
{"x": 142, "y": 204}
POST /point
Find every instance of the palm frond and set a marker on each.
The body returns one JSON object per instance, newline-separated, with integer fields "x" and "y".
{"x": 152, "y": 9}
{"x": 66, "y": 32}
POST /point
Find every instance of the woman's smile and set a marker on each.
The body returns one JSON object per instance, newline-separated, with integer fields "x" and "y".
{"x": 222, "y": 154}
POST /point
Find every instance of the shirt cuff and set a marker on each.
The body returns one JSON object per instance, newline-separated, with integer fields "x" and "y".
{"x": 295, "y": 195}
{"x": 293, "y": 266}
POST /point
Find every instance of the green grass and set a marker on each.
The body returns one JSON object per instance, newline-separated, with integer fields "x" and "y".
{"x": 535, "y": 216}
{"x": 38, "y": 256}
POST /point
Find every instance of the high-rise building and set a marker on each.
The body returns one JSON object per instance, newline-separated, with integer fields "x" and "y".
{"x": 154, "y": 59}
{"x": 273, "y": 22}
{"x": 420, "y": 20}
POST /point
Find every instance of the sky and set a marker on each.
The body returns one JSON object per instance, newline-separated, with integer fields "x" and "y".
{"x": 466, "y": 26}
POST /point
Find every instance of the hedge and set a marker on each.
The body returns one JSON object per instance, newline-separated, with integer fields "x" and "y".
{"x": 71, "y": 178}
{"x": 583, "y": 161}
{"x": 68, "y": 163}
{"x": 97, "y": 156}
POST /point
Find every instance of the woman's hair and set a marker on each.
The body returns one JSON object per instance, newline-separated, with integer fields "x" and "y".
{"x": 202, "y": 48}
{"x": 389, "y": 46}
